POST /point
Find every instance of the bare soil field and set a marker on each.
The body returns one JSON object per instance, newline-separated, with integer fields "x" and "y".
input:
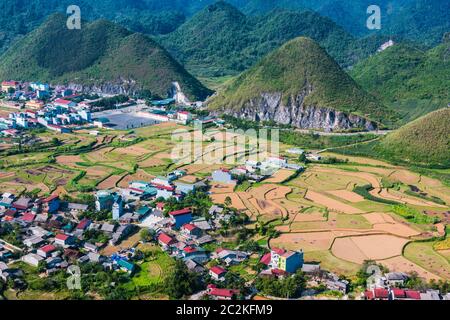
{"x": 132, "y": 150}
{"x": 68, "y": 160}
{"x": 267, "y": 208}
{"x": 309, "y": 241}
{"x": 217, "y": 188}
{"x": 280, "y": 176}
{"x": 401, "y": 264}
{"x": 4, "y": 175}
{"x": 331, "y": 203}
{"x": 373, "y": 247}
{"x": 379, "y": 217}
{"x": 151, "y": 162}
{"x": 236, "y": 201}
{"x": 189, "y": 179}
{"x": 397, "y": 228}
{"x": 310, "y": 217}
{"x": 345, "y": 248}
{"x": 347, "y": 195}
{"x": 140, "y": 175}
{"x": 290, "y": 206}
{"x": 109, "y": 183}
{"x": 279, "y": 192}
{"x": 405, "y": 176}
{"x": 100, "y": 155}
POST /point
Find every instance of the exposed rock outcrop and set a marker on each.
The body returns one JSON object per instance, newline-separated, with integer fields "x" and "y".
{"x": 298, "y": 114}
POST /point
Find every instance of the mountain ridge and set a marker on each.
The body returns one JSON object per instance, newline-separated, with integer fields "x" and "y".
{"x": 296, "y": 82}
{"x": 410, "y": 80}
{"x": 101, "y": 53}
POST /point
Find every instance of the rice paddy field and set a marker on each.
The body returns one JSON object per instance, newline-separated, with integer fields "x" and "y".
{"x": 322, "y": 211}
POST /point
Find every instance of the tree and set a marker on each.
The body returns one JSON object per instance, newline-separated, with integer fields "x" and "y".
{"x": 302, "y": 157}
{"x": 55, "y": 141}
{"x": 146, "y": 235}
{"x": 228, "y": 201}
{"x": 180, "y": 282}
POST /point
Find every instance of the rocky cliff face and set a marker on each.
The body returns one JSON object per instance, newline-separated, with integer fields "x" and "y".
{"x": 298, "y": 114}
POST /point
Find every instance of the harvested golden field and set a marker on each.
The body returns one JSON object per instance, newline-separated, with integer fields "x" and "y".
{"x": 330, "y": 203}
{"x": 189, "y": 179}
{"x": 347, "y": 195}
{"x": 68, "y": 160}
{"x": 280, "y": 176}
{"x": 151, "y": 162}
{"x": 368, "y": 247}
{"x": 236, "y": 201}
{"x": 109, "y": 183}
{"x": 140, "y": 175}
{"x": 401, "y": 264}
{"x": 278, "y": 192}
{"x": 309, "y": 241}
{"x": 217, "y": 188}
{"x": 310, "y": 216}
{"x": 359, "y": 160}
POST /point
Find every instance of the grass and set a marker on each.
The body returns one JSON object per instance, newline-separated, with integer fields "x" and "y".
{"x": 330, "y": 262}
{"x": 346, "y": 221}
{"x": 413, "y": 215}
{"x": 421, "y": 145}
{"x": 153, "y": 270}
{"x": 423, "y": 254}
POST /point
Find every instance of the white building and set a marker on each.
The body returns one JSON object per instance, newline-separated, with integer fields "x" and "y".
{"x": 32, "y": 259}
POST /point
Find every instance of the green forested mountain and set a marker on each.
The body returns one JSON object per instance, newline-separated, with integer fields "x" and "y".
{"x": 19, "y": 17}
{"x": 423, "y": 21}
{"x": 425, "y": 141}
{"x": 221, "y": 40}
{"x": 305, "y": 76}
{"x": 412, "y": 81}
{"x": 98, "y": 54}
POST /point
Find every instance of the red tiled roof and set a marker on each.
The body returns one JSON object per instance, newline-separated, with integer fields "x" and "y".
{"x": 10, "y": 83}
{"x": 62, "y": 237}
{"x": 62, "y": 101}
{"x": 278, "y": 251}
{"x": 48, "y": 248}
{"x": 10, "y": 213}
{"x": 180, "y": 212}
{"x": 279, "y": 272}
{"x": 266, "y": 258}
{"x": 83, "y": 224}
{"x": 228, "y": 293}
{"x": 160, "y": 205}
{"x": 412, "y": 294}
{"x": 163, "y": 187}
{"x": 381, "y": 293}
{"x": 50, "y": 198}
{"x": 189, "y": 249}
{"x": 218, "y": 270}
{"x": 28, "y": 217}
{"x": 368, "y": 294}
{"x": 166, "y": 239}
{"x": 399, "y": 293}
{"x": 189, "y": 226}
